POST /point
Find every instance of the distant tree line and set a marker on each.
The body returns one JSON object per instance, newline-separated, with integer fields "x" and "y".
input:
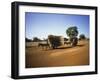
{"x": 28, "y": 40}
{"x": 35, "y": 39}
{"x": 72, "y": 33}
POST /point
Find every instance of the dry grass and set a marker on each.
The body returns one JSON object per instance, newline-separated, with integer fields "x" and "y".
{"x": 63, "y": 56}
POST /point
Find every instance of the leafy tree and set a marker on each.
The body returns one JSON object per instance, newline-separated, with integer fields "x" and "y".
{"x": 82, "y": 37}
{"x": 72, "y": 33}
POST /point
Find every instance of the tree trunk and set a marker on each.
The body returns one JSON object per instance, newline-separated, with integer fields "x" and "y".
{"x": 74, "y": 41}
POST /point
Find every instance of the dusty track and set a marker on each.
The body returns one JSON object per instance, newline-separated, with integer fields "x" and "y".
{"x": 63, "y": 56}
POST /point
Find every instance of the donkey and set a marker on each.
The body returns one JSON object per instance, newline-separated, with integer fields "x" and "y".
{"x": 44, "y": 45}
{"x": 67, "y": 43}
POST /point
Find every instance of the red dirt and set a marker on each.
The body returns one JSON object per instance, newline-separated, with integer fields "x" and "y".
{"x": 63, "y": 56}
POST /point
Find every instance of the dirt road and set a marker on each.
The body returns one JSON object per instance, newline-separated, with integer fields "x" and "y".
{"x": 63, "y": 56}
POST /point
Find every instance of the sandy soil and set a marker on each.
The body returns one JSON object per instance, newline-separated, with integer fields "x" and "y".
{"x": 63, "y": 56}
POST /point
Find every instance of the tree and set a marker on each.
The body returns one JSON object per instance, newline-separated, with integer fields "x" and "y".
{"x": 82, "y": 37}
{"x": 72, "y": 33}
{"x": 36, "y": 39}
{"x": 55, "y": 41}
{"x": 28, "y": 40}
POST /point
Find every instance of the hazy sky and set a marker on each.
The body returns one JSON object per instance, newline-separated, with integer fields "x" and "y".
{"x": 43, "y": 24}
